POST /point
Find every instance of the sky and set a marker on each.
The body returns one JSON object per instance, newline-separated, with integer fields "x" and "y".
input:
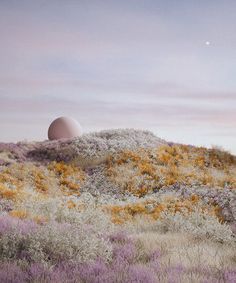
{"x": 162, "y": 65}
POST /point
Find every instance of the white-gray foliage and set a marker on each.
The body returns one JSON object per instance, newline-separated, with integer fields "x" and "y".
{"x": 94, "y": 146}
{"x": 198, "y": 223}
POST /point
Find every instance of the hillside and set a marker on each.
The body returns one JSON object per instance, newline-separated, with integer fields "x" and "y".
{"x": 116, "y": 206}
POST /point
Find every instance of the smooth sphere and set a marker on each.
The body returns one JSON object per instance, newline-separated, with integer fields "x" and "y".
{"x": 64, "y": 127}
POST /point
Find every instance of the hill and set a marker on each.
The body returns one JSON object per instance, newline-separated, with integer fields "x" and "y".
{"x": 116, "y": 206}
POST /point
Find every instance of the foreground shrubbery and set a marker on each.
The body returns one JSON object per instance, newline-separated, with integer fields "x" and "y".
{"x": 116, "y": 206}
{"x": 49, "y": 243}
{"x": 80, "y": 244}
{"x": 130, "y": 262}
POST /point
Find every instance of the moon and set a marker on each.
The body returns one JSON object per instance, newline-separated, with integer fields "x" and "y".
{"x": 207, "y": 43}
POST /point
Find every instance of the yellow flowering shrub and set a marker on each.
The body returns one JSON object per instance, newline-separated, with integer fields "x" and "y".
{"x": 71, "y": 204}
{"x": 8, "y": 193}
{"x": 39, "y": 219}
{"x": 147, "y": 170}
{"x": 22, "y": 214}
{"x": 10, "y": 185}
{"x": 20, "y": 179}
{"x": 40, "y": 180}
{"x": 70, "y": 177}
{"x": 152, "y": 209}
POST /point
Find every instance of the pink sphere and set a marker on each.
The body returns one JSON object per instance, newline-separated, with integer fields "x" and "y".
{"x": 64, "y": 127}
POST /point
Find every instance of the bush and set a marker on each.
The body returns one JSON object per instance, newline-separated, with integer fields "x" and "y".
{"x": 50, "y": 243}
{"x": 198, "y": 223}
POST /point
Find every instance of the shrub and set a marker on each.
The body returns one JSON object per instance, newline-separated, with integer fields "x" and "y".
{"x": 50, "y": 243}
{"x": 197, "y": 223}
{"x": 153, "y": 207}
{"x": 93, "y": 146}
{"x": 146, "y": 170}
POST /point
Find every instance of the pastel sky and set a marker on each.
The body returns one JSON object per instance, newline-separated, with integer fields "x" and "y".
{"x": 164, "y": 65}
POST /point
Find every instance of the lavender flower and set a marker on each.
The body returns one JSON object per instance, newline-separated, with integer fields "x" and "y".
{"x": 11, "y": 273}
